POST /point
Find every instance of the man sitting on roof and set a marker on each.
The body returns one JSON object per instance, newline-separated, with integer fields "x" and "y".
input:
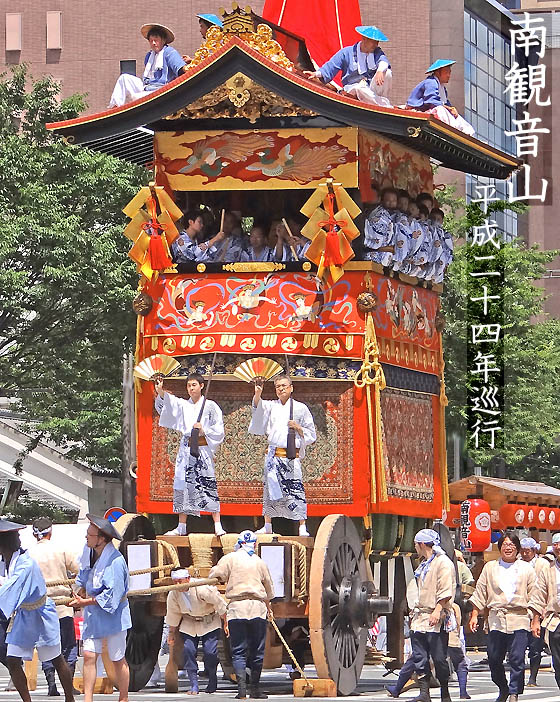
{"x": 431, "y": 96}
{"x": 205, "y": 21}
{"x": 366, "y": 72}
{"x": 162, "y": 64}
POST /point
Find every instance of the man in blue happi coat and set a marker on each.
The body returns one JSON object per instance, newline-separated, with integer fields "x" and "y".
{"x": 162, "y": 64}
{"x": 430, "y": 95}
{"x": 366, "y": 71}
{"x": 103, "y": 584}
{"x": 33, "y": 621}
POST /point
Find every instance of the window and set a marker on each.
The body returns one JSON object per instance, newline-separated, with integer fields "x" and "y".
{"x": 128, "y": 66}
{"x": 54, "y": 30}
{"x": 13, "y": 31}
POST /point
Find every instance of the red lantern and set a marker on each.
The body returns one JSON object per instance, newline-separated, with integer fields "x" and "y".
{"x": 452, "y": 518}
{"x": 497, "y": 523}
{"x": 475, "y": 525}
{"x": 553, "y": 518}
{"x": 541, "y": 520}
{"x": 514, "y": 515}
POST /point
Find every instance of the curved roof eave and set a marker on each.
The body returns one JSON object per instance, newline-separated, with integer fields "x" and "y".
{"x": 419, "y": 131}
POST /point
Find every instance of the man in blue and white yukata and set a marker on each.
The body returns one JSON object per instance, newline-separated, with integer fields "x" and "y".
{"x": 284, "y": 494}
{"x": 366, "y": 71}
{"x": 33, "y": 621}
{"x": 430, "y": 95}
{"x": 102, "y": 586}
{"x": 187, "y": 246}
{"x": 162, "y": 64}
{"x": 194, "y": 487}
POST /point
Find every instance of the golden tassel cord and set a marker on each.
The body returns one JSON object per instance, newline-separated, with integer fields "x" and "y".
{"x": 371, "y": 374}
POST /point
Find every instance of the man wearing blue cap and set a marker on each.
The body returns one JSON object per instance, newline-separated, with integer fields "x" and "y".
{"x": 162, "y": 64}
{"x": 544, "y": 606}
{"x": 430, "y": 95}
{"x": 249, "y": 589}
{"x": 366, "y": 72}
{"x": 207, "y": 20}
{"x": 432, "y": 616}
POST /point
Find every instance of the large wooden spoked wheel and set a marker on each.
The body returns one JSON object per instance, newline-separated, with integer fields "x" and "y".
{"x": 143, "y": 640}
{"x": 339, "y": 596}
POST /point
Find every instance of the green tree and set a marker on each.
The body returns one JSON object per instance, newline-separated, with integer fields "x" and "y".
{"x": 529, "y": 350}
{"x": 65, "y": 280}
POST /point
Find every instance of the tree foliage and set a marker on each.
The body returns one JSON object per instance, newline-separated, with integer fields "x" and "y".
{"x": 529, "y": 350}
{"x": 65, "y": 280}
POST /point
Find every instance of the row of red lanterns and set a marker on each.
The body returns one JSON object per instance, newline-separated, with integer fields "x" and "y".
{"x": 476, "y": 520}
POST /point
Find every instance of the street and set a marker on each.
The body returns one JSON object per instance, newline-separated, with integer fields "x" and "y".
{"x": 278, "y": 686}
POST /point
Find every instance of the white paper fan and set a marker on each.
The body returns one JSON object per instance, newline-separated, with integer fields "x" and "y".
{"x": 257, "y": 368}
{"x": 158, "y": 364}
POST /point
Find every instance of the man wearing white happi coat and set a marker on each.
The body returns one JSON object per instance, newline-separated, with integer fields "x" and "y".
{"x": 505, "y": 588}
{"x": 284, "y": 494}
{"x": 530, "y": 554}
{"x": 544, "y": 606}
{"x": 194, "y": 487}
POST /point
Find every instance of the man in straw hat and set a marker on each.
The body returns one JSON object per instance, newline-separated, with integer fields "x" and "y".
{"x": 195, "y": 489}
{"x": 196, "y": 614}
{"x": 432, "y": 616}
{"x": 505, "y": 588}
{"x": 366, "y": 72}
{"x": 162, "y": 64}
{"x": 544, "y": 605}
{"x": 284, "y": 493}
{"x": 33, "y": 621}
{"x": 56, "y": 563}
{"x": 430, "y": 95}
{"x": 249, "y": 589}
{"x": 103, "y": 584}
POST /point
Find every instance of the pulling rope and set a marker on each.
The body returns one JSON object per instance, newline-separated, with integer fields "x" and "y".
{"x": 151, "y": 590}
{"x": 143, "y": 571}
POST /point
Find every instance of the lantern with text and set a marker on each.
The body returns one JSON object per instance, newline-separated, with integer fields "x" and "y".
{"x": 452, "y": 517}
{"x": 541, "y": 518}
{"x": 512, "y": 515}
{"x": 475, "y": 525}
{"x": 497, "y": 523}
{"x": 553, "y": 521}
{"x": 531, "y": 516}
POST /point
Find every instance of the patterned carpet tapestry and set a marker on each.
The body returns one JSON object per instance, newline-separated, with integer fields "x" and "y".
{"x": 327, "y": 466}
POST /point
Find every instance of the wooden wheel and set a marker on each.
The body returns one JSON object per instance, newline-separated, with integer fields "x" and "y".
{"x": 340, "y": 603}
{"x": 143, "y": 640}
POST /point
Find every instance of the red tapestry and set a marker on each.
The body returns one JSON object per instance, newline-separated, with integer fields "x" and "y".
{"x": 327, "y": 466}
{"x": 409, "y": 442}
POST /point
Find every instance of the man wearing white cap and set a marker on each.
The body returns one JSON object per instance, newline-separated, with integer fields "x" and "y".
{"x": 505, "y": 588}
{"x": 530, "y": 554}
{"x": 196, "y": 613}
{"x": 103, "y": 584}
{"x": 432, "y": 617}
{"x": 366, "y": 71}
{"x": 430, "y": 95}
{"x": 545, "y": 606}
{"x": 162, "y": 64}
{"x": 249, "y": 589}
{"x": 33, "y": 621}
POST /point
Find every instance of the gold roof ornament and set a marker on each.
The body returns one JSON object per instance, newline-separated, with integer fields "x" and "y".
{"x": 240, "y": 22}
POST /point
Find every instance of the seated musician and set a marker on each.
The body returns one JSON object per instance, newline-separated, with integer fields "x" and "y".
{"x": 258, "y": 250}
{"x": 187, "y": 247}
{"x": 379, "y": 232}
{"x": 430, "y": 95}
{"x": 403, "y": 232}
{"x": 162, "y": 64}
{"x": 232, "y": 246}
{"x": 291, "y": 245}
{"x": 445, "y": 240}
{"x": 366, "y": 72}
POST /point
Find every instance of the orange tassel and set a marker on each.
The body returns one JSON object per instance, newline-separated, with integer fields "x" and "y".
{"x": 159, "y": 260}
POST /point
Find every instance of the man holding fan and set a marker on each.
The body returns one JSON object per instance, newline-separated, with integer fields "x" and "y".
{"x": 201, "y": 423}
{"x": 290, "y": 428}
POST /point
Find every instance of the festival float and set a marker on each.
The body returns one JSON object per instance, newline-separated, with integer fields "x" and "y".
{"x": 362, "y": 343}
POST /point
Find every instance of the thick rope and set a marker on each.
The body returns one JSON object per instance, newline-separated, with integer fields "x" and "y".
{"x": 288, "y": 649}
{"x": 201, "y": 551}
{"x": 143, "y": 571}
{"x": 299, "y": 565}
{"x": 152, "y": 590}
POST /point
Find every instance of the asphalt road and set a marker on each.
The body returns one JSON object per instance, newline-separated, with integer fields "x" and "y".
{"x": 278, "y": 686}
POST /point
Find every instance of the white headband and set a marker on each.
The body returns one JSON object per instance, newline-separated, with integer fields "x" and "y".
{"x": 180, "y": 574}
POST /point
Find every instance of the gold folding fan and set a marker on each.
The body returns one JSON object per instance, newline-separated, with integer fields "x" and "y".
{"x": 257, "y": 368}
{"x": 158, "y": 364}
